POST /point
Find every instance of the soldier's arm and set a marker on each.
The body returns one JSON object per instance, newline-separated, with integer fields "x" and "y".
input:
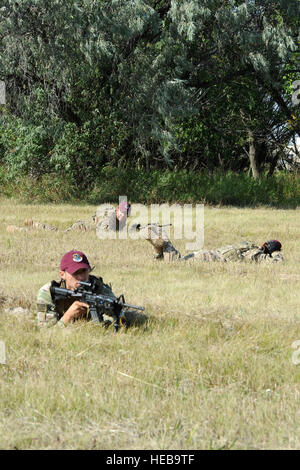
{"x": 46, "y": 314}
{"x": 76, "y": 310}
{"x": 277, "y": 257}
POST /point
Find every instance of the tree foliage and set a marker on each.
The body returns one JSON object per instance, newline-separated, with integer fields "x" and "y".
{"x": 147, "y": 83}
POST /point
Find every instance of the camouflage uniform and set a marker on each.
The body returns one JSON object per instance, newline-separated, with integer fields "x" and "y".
{"x": 236, "y": 252}
{"x": 15, "y": 228}
{"x": 260, "y": 257}
{"x": 243, "y": 251}
{"x": 39, "y": 225}
{"x": 102, "y": 213}
{"x": 110, "y": 223}
{"x": 30, "y": 224}
{"x": 82, "y": 225}
{"x": 203, "y": 255}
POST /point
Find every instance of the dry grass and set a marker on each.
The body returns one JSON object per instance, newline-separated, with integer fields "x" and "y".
{"x": 211, "y": 369}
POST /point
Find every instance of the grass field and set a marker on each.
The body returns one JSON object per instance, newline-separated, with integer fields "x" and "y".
{"x": 211, "y": 369}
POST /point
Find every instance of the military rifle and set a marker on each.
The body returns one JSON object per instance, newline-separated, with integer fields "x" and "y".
{"x": 99, "y": 304}
{"x": 138, "y": 227}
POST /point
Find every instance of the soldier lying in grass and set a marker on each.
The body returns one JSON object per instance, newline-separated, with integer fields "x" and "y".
{"x": 30, "y": 224}
{"x": 75, "y": 268}
{"x": 269, "y": 252}
{"x": 243, "y": 251}
{"x": 105, "y": 219}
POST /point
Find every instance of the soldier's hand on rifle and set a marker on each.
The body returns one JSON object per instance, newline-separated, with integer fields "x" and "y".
{"x": 76, "y": 310}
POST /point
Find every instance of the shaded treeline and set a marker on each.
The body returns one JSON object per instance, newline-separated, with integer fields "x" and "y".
{"x": 147, "y": 85}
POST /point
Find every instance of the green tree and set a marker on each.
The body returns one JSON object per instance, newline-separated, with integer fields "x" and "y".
{"x": 148, "y": 83}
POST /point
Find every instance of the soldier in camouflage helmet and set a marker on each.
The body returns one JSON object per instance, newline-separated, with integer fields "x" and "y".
{"x": 74, "y": 268}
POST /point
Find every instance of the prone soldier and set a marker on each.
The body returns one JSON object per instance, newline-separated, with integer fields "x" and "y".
{"x": 39, "y": 225}
{"x": 31, "y": 224}
{"x": 107, "y": 219}
{"x": 270, "y": 251}
{"x": 61, "y": 311}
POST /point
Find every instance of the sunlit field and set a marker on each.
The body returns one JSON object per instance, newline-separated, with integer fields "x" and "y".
{"x": 210, "y": 369}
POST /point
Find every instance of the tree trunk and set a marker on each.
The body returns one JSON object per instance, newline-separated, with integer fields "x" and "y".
{"x": 253, "y": 156}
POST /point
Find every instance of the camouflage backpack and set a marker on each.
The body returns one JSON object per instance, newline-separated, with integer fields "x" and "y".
{"x": 234, "y": 252}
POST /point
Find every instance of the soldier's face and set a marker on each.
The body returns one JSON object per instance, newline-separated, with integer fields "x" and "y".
{"x": 72, "y": 280}
{"x": 120, "y": 215}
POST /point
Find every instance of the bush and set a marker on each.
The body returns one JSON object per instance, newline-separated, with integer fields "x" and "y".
{"x": 281, "y": 190}
{"x": 54, "y": 146}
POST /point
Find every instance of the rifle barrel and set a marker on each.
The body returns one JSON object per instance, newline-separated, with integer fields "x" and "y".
{"x": 136, "y": 307}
